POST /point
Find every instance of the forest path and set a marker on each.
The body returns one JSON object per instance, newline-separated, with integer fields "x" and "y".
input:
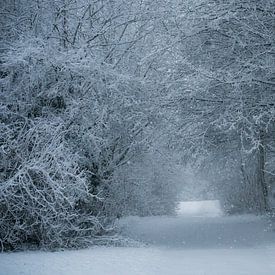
{"x": 187, "y": 244}
{"x": 200, "y": 225}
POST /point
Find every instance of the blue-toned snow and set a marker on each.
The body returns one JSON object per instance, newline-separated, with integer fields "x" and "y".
{"x": 198, "y": 241}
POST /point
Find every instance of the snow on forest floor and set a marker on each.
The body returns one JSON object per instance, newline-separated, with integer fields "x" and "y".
{"x": 199, "y": 241}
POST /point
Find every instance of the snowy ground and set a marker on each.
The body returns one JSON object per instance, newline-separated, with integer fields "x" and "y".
{"x": 198, "y": 241}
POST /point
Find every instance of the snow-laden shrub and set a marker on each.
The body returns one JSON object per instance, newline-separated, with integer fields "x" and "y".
{"x": 73, "y": 114}
{"x": 42, "y": 189}
{"x": 68, "y": 129}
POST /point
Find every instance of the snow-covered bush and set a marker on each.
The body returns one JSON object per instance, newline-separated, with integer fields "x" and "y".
{"x": 42, "y": 188}
{"x": 47, "y": 197}
{"x": 71, "y": 120}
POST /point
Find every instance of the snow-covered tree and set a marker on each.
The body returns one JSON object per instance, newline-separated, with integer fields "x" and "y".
{"x": 225, "y": 99}
{"x": 75, "y": 111}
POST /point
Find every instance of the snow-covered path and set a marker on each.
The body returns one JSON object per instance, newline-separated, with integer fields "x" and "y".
{"x": 186, "y": 244}
{"x": 201, "y": 232}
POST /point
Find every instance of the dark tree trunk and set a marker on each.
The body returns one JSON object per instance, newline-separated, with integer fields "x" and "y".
{"x": 261, "y": 180}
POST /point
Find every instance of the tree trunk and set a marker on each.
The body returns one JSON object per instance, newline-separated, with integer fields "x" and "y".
{"x": 263, "y": 189}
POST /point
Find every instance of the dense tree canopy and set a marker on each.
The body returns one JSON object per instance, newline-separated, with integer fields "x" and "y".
{"x": 104, "y": 102}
